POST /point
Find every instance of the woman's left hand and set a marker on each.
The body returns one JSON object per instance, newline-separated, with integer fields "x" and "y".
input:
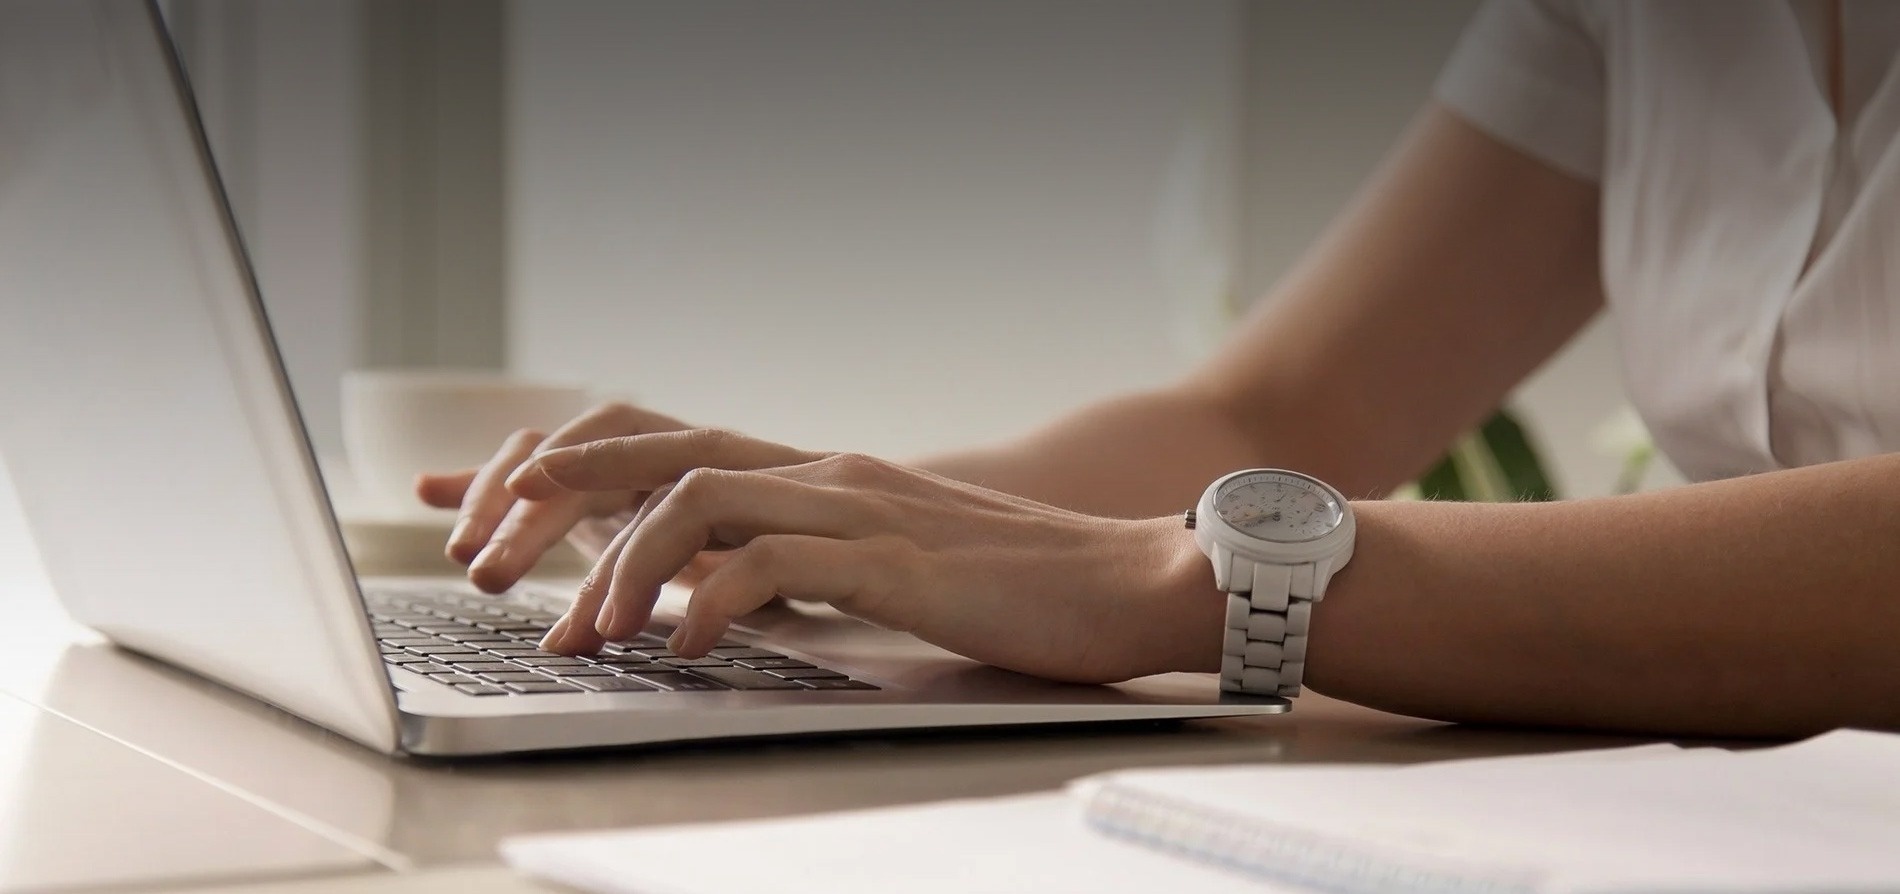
{"x": 1000, "y": 579}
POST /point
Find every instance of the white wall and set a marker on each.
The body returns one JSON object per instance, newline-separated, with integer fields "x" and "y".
{"x": 277, "y": 84}
{"x": 867, "y": 225}
{"x": 899, "y": 227}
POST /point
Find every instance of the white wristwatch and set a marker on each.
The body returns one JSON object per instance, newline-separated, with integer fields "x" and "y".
{"x": 1276, "y": 538}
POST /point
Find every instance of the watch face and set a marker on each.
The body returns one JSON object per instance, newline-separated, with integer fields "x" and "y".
{"x": 1278, "y": 507}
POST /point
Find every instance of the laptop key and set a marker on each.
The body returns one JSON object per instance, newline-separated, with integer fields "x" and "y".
{"x": 514, "y": 676}
{"x": 513, "y": 627}
{"x": 457, "y": 655}
{"x": 677, "y": 681}
{"x": 485, "y": 666}
{"x": 804, "y": 673}
{"x": 516, "y": 651}
{"x": 538, "y": 658}
{"x": 435, "y": 648}
{"x": 741, "y": 678}
{"x": 406, "y": 658}
{"x": 628, "y": 662}
{"x": 743, "y": 652}
{"x": 769, "y": 663}
{"x": 429, "y": 668}
{"x": 478, "y": 637}
{"x": 832, "y": 683}
{"x": 614, "y": 684}
{"x": 543, "y": 685}
{"x": 582, "y": 671}
{"x": 409, "y": 641}
{"x": 480, "y": 689}
{"x": 695, "y": 662}
{"x": 453, "y": 679}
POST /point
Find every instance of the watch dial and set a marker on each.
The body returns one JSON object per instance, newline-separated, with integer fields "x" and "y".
{"x": 1281, "y": 508}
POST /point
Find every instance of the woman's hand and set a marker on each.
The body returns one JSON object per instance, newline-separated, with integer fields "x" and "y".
{"x": 998, "y": 578}
{"x": 500, "y": 536}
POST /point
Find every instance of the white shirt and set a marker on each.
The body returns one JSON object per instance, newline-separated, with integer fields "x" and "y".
{"x": 1750, "y": 243}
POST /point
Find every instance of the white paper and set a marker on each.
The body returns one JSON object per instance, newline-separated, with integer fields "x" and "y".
{"x": 1032, "y": 843}
{"x": 1821, "y": 814}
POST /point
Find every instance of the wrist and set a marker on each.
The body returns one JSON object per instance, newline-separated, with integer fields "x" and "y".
{"x": 1189, "y": 608}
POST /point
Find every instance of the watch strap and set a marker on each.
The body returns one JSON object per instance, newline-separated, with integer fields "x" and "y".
{"x": 1263, "y": 651}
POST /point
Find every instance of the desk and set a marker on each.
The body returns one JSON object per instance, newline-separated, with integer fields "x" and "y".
{"x": 337, "y": 807}
{"x": 201, "y": 785}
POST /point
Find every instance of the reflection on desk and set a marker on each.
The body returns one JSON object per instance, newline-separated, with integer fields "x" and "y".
{"x": 77, "y": 808}
{"x": 429, "y": 813}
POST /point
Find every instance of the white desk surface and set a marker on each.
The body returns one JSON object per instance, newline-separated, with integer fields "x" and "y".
{"x": 125, "y": 774}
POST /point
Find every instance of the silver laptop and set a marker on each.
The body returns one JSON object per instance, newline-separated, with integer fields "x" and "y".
{"x": 165, "y": 473}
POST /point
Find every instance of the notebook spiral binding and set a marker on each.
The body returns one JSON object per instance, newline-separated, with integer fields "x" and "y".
{"x": 1288, "y": 854}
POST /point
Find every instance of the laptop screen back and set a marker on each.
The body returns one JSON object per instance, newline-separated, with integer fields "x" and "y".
{"x": 144, "y": 414}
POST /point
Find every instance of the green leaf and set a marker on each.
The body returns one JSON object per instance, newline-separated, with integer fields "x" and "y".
{"x": 1518, "y": 458}
{"x": 1442, "y": 482}
{"x": 1498, "y": 449}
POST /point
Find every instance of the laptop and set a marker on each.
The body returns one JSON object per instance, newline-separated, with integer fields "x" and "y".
{"x": 165, "y": 473}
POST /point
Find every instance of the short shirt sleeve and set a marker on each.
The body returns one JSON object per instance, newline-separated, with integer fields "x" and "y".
{"x": 1530, "y": 73}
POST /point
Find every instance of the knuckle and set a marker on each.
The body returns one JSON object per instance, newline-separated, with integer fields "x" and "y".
{"x": 857, "y": 466}
{"x": 529, "y": 436}
{"x": 707, "y": 440}
{"x": 617, "y": 411}
{"x": 701, "y": 485}
{"x": 593, "y": 451}
{"x": 761, "y": 554}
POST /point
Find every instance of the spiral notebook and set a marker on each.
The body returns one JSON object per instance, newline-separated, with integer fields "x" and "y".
{"x": 1818, "y": 815}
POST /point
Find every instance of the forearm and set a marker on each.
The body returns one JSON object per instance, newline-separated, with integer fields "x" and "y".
{"x": 1141, "y": 455}
{"x": 1768, "y": 605}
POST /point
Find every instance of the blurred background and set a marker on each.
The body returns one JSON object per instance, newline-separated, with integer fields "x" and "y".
{"x": 845, "y": 224}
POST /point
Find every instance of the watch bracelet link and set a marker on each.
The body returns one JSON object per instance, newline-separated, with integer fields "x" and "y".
{"x": 1263, "y": 650}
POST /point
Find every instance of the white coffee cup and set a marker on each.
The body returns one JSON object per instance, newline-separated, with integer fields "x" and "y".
{"x": 399, "y": 423}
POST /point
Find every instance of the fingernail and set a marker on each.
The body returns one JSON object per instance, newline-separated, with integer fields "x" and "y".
{"x": 555, "y": 634}
{"x": 604, "y": 624}
{"x": 458, "y": 538}
{"x": 680, "y": 636}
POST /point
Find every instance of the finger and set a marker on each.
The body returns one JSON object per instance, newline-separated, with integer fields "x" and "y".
{"x": 723, "y": 507}
{"x": 444, "y": 491}
{"x": 528, "y": 531}
{"x": 644, "y": 462}
{"x": 574, "y": 634}
{"x": 845, "y": 573}
{"x": 487, "y": 501}
{"x": 577, "y": 634}
{"x": 609, "y": 420}
{"x": 701, "y": 565}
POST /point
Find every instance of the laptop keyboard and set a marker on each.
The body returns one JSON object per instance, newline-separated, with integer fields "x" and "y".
{"x": 485, "y": 646}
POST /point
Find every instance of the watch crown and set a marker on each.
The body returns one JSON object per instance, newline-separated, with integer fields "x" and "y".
{"x": 1189, "y": 519}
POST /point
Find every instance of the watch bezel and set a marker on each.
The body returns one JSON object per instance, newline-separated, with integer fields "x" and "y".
{"x": 1255, "y": 476}
{"x": 1211, "y": 529}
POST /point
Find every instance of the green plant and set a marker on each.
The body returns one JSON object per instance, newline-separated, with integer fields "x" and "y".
{"x": 1496, "y": 463}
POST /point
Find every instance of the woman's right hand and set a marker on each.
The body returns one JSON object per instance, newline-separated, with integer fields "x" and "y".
{"x": 500, "y": 536}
